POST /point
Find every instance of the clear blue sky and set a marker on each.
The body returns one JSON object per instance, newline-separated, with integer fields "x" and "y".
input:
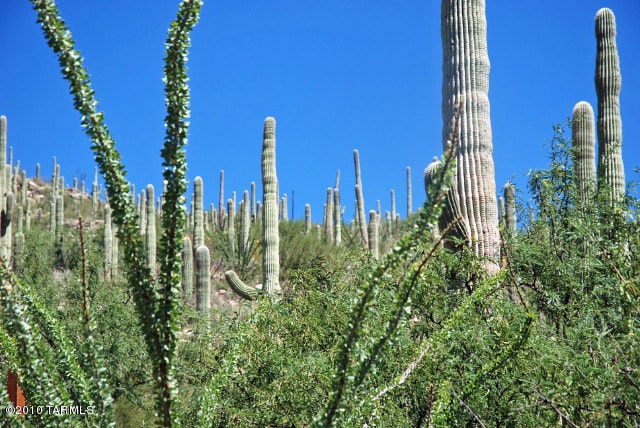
{"x": 336, "y": 75}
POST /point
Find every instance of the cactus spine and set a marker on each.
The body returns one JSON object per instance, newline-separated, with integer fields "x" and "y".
{"x": 151, "y": 229}
{"x": 608, "y": 82}
{"x": 203, "y": 279}
{"x": 584, "y": 146}
{"x": 362, "y": 222}
{"x": 466, "y": 80}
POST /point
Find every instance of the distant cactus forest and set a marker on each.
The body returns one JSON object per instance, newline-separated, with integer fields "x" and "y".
{"x": 461, "y": 305}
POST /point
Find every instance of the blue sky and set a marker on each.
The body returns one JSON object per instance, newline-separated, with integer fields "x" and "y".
{"x": 336, "y": 75}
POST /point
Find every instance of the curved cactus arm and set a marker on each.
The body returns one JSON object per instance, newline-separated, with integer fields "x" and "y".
{"x": 243, "y": 290}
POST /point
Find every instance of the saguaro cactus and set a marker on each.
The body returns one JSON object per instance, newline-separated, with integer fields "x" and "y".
{"x": 307, "y": 218}
{"x": 608, "y": 82}
{"x": 337, "y": 218}
{"x": 362, "y": 222}
{"x": 5, "y": 209}
{"x": 373, "y": 231}
{"x": 198, "y": 216}
{"x": 270, "y": 235}
{"x": 221, "y": 210}
{"x": 187, "y": 269}
{"x": 231, "y": 224}
{"x": 510, "y": 208}
{"x": 328, "y": 216}
{"x": 151, "y": 229}
{"x": 466, "y": 79}
{"x": 451, "y": 214}
{"x": 203, "y": 279}
{"x": 584, "y": 147}
{"x": 245, "y": 224}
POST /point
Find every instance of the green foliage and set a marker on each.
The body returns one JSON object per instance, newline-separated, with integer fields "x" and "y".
{"x": 423, "y": 337}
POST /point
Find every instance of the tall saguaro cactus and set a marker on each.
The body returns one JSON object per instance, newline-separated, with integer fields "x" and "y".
{"x": 270, "y": 234}
{"x": 465, "y": 70}
{"x": 5, "y": 209}
{"x": 151, "y": 229}
{"x": 198, "y": 216}
{"x": 584, "y": 147}
{"x": 608, "y": 83}
{"x": 362, "y": 222}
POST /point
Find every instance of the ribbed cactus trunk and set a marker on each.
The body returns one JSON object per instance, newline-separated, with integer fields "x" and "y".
{"x": 373, "y": 232}
{"x": 510, "y": 208}
{"x": 150, "y": 236}
{"x": 466, "y": 79}
{"x": 187, "y": 269}
{"x": 337, "y": 218}
{"x": 231, "y": 225}
{"x": 253, "y": 201}
{"x": 360, "y": 216}
{"x": 5, "y": 211}
{"x": 284, "y": 208}
{"x": 270, "y": 235}
{"x": 221, "y": 210}
{"x": 328, "y": 217}
{"x": 608, "y": 82}
{"x": 307, "y": 218}
{"x": 198, "y": 216}
{"x": 583, "y": 140}
{"x": 203, "y": 279}
{"x": 245, "y": 224}
{"x": 94, "y": 192}
{"x": 451, "y": 213}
